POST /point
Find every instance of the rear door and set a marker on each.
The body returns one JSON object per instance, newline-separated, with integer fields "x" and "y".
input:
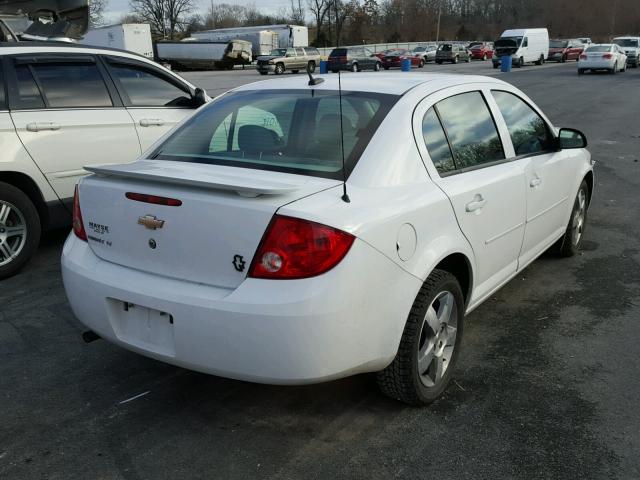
{"x": 155, "y": 100}
{"x": 468, "y": 162}
{"x": 549, "y": 173}
{"x": 68, "y": 115}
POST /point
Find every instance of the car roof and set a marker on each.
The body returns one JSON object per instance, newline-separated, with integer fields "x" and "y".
{"x": 393, "y": 83}
{"x": 13, "y": 48}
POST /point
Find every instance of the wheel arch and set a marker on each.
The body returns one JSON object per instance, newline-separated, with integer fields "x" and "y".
{"x": 589, "y": 179}
{"x": 459, "y": 265}
{"x": 29, "y": 187}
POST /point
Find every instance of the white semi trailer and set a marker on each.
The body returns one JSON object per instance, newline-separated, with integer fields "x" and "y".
{"x": 263, "y": 38}
{"x": 133, "y": 37}
{"x": 203, "y": 55}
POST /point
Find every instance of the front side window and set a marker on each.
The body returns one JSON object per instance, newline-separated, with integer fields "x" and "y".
{"x": 437, "y": 144}
{"x": 145, "y": 88}
{"x": 288, "y": 131}
{"x": 299, "y": 52}
{"x": 72, "y": 85}
{"x": 528, "y": 131}
{"x": 471, "y": 130}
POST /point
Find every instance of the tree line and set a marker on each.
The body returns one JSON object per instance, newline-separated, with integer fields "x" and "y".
{"x": 348, "y": 22}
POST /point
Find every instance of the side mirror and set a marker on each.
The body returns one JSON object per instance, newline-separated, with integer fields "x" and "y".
{"x": 199, "y": 97}
{"x": 571, "y": 138}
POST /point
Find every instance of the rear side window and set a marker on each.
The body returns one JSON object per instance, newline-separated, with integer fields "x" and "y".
{"x": 471, "y": 130}
{"x": 338, "y": 52}
{"x": 437, "y": 144}
{"x": 288, "y": 131}
{"x": 5, "y": 34}
{"x": 299, "y": 52}
{"x": 528, "y": 131}
{"x": 311, "y": 51}
{"x": 3, "y": 104}
{"x": 29, "y": 95}
{"x": 72, "y": 86}
{"x": 148, "y": 89}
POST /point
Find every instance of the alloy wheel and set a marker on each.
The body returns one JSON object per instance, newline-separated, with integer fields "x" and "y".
{"x": 437, "y": 339}
{"x": 578, "y": 221}
{"x": 13, "y": 232}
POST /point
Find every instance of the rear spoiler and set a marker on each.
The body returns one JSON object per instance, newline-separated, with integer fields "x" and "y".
{"x": 244, "y": 182}
{"x": 51, "y": 18}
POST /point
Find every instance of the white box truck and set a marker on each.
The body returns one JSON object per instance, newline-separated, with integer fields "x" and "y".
{"x": 133, "y": 37}
{"x": 524, "y": 45}
{"x": 264, "y": 38}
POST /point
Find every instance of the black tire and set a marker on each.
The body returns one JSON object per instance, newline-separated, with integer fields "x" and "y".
{"x": 563, "y": 59}
{"x": 495, "y": 65}
{"x": 581, "y": 71}
{"x": 334, "y": 71}
{"x": 311, "y": 66}
{"x": 354, "y": 67}
{"x": 279, "y": 69}
{"x": 636, "y": 63}
{"x": 21, "y": 211}
{"x": 455, "y": 59}
{"x": 295, "y": 71}
{"x": 401, "y": 380}
{"x": 386, "y": 68}
{"x": 484, "y": 57}
{"x": 376, "y": 67}
{"x": 439, "y": 62}
{"x": 568, "y": 245}
{"x": 614, "y": 70}
{"x": 520, "y": 62}
{"x": 263, "y": 73}
{"x": 421, "y": 64}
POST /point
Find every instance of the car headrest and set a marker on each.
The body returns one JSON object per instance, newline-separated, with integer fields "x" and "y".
{"x": 256, "y": 139}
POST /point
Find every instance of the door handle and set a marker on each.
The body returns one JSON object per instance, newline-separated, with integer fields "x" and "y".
{"x": 151, "y": 122}
{"x": 477, "y": 203}
{"x": 40, "y": 126}
{"x": 535, "y": 182}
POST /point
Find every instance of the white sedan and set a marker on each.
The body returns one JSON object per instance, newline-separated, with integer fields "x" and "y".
{"x": 235, "y": 247}
{"x": 605, "y": 56}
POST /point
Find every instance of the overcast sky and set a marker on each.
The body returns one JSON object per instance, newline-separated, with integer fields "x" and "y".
{"x": 117, "y": 8}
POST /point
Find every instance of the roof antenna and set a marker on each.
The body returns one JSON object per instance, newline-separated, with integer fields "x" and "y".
{"x": 345, "y": 196}
{"x": 313, "y": 81}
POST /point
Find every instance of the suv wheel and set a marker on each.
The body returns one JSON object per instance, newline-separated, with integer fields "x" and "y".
{"x": 311, "y": 66}
{"x": 354, "y": 67}
{"x": 279, "y": 69}
{"x": 19, "y": 230}
{"x": 455, "y": 59}
{"x": 430, "y": 343}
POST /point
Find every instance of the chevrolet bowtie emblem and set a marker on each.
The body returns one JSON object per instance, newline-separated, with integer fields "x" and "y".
{"x": 151, "y": 222}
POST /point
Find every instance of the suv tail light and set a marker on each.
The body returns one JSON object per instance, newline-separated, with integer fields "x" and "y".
{"x": 293, "y": 248}
{"x": 583, "y": 56}
{"x": 78, "y": 226}
{"x": 607, "y": 56}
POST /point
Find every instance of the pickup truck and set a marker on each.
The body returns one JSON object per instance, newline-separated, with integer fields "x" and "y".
{"x": 292, "y": 59}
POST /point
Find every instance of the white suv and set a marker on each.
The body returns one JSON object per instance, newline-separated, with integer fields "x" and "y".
{"x": 63, "y": 107}
{"x": 631, "y": 47}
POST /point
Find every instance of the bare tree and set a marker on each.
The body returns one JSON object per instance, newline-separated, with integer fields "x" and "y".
{"x": 96, "y": 12}
{"x": 320, "y": 10}
{"x": 166, "y": 17}
{"x": 297, "y": 12}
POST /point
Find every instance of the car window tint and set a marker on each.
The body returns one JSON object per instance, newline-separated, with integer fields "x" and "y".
{"x": 28, "y": 92}
{"x": 72, "y": 85}
{"x": 528, "y": 131}
{"x": 147, "y": 89}
{"x": 3, "y": 105}
{"x": 437, "y": 144}
{"x": 297, "y": 131}
{"x": 471, "y": 130}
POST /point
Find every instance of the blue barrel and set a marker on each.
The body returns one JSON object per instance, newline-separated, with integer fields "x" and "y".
{"x": 323, "y": 66}
{"x": 405, "y": 66}
{"x": 505, "y": 63}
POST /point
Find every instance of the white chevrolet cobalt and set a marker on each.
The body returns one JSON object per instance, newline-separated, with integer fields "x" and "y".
{"x": 233, "y": 246}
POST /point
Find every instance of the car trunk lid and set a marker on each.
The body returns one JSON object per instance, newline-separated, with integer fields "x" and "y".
{"x": 209, "y": 238}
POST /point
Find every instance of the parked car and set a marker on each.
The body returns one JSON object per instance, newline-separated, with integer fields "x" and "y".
{"x": 481, "y": 50}
{"x": 354, "y": 59}
{"x": 605, "y": 56}
{"x": 452, "y": 52}
{"x": 383, "y": 53}
{"x": 66, "y": 107}
{"x": 631, "y": 48}
{"x": 395, "y": 58}
{"x": 526, "y": 45}
{"x": 563, "y": 50}
{"x": 289, "y": 59}
{"x": 229, "y": 248}
{"x": 428, "y": 53}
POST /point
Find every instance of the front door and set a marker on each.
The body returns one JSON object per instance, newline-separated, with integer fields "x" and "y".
{"x": 67, "y": 117}
{"x": 155, "y": 100}
{"x": 486, "y": 191}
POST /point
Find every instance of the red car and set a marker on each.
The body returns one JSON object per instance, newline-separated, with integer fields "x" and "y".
{"x": 384, "y": 53}
{"x": 563, "y": 50}
{"x": 394, "y": 59}
{"x": 481, "y": 50}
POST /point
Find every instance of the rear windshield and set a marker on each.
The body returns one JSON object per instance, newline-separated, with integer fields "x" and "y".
{"x": 558, "y": 44}
{"x": 599, "y": 48}
{"x": 293, "y": 131}
{"x": 338, "y": 52}
{"x": 626, "y": 42}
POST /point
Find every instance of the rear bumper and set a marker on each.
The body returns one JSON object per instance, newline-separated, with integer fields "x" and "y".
{"x": 344, "y": 322}
{"x": 596, "y": 64}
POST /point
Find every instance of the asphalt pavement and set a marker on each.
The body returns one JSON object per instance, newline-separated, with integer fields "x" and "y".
{"x": 547, "y": 385}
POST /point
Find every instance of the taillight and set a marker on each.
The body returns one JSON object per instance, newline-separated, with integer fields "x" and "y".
{"x": 143, "y": 197}
{"x": 583, "y": 56}
{"x": 293, "y": 248}
{"x": 607, "y": 56}
{"x": 78, "y": 226}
